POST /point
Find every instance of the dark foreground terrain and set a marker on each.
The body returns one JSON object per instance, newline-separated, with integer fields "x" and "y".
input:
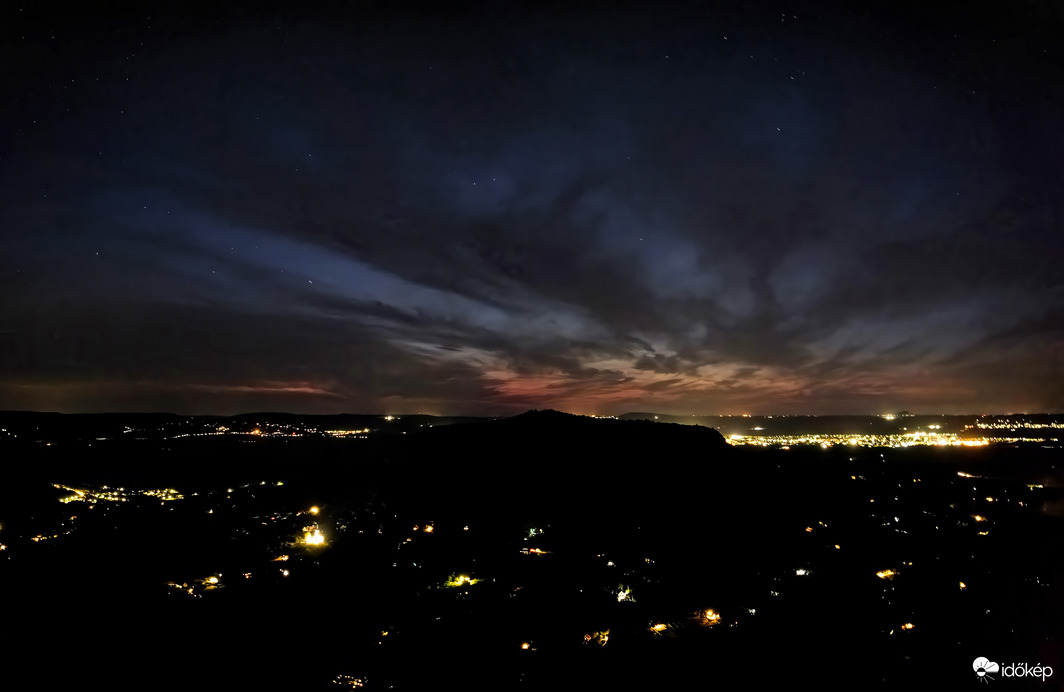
{"x": 527, "y": 553}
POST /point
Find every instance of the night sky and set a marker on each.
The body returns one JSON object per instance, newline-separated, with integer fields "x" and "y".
{"x": 455, "y": 208}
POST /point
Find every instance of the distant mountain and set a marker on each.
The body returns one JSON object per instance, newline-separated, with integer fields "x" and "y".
{"x": 30, "y": 426}
{"x": 548, "y": 457}
{"x": 579, "y": 430}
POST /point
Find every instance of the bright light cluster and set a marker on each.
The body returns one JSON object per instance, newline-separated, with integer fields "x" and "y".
{"x": 107, "y": 494}
{"x": 892, "y": 440}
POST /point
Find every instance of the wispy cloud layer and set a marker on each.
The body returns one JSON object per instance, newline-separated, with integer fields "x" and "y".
{"x": 651, "y": 213}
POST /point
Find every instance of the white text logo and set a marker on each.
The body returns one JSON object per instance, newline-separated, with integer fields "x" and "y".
{"x": 983, "y": 668}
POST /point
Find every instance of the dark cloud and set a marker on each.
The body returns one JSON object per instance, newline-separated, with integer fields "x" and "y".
{"x": 819, "y": 210}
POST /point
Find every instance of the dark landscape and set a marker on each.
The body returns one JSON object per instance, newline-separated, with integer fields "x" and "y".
{"x": 532, "y": 552}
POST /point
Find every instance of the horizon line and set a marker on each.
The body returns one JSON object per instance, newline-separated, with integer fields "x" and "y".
{"x": 886, "y": 415}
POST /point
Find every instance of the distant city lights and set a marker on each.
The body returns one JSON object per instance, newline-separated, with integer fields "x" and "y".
{"x": 896, "y": 440}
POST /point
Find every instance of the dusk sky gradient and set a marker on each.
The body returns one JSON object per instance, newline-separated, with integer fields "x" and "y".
{"x": 691, "y": 208}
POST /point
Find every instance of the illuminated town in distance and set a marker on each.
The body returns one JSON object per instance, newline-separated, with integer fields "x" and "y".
{"x": 885, "y": 430}
{"x": 276, "y": 523}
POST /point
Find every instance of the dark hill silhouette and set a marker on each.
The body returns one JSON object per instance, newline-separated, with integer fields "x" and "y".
{"x": 569, "y": 423}
{"x": 550, "y": 458}
{"x": 677, "y": 489}
{"x": 549, "y": 416}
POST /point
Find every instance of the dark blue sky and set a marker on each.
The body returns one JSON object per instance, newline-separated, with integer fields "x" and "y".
{"x": 687, "y": 208}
